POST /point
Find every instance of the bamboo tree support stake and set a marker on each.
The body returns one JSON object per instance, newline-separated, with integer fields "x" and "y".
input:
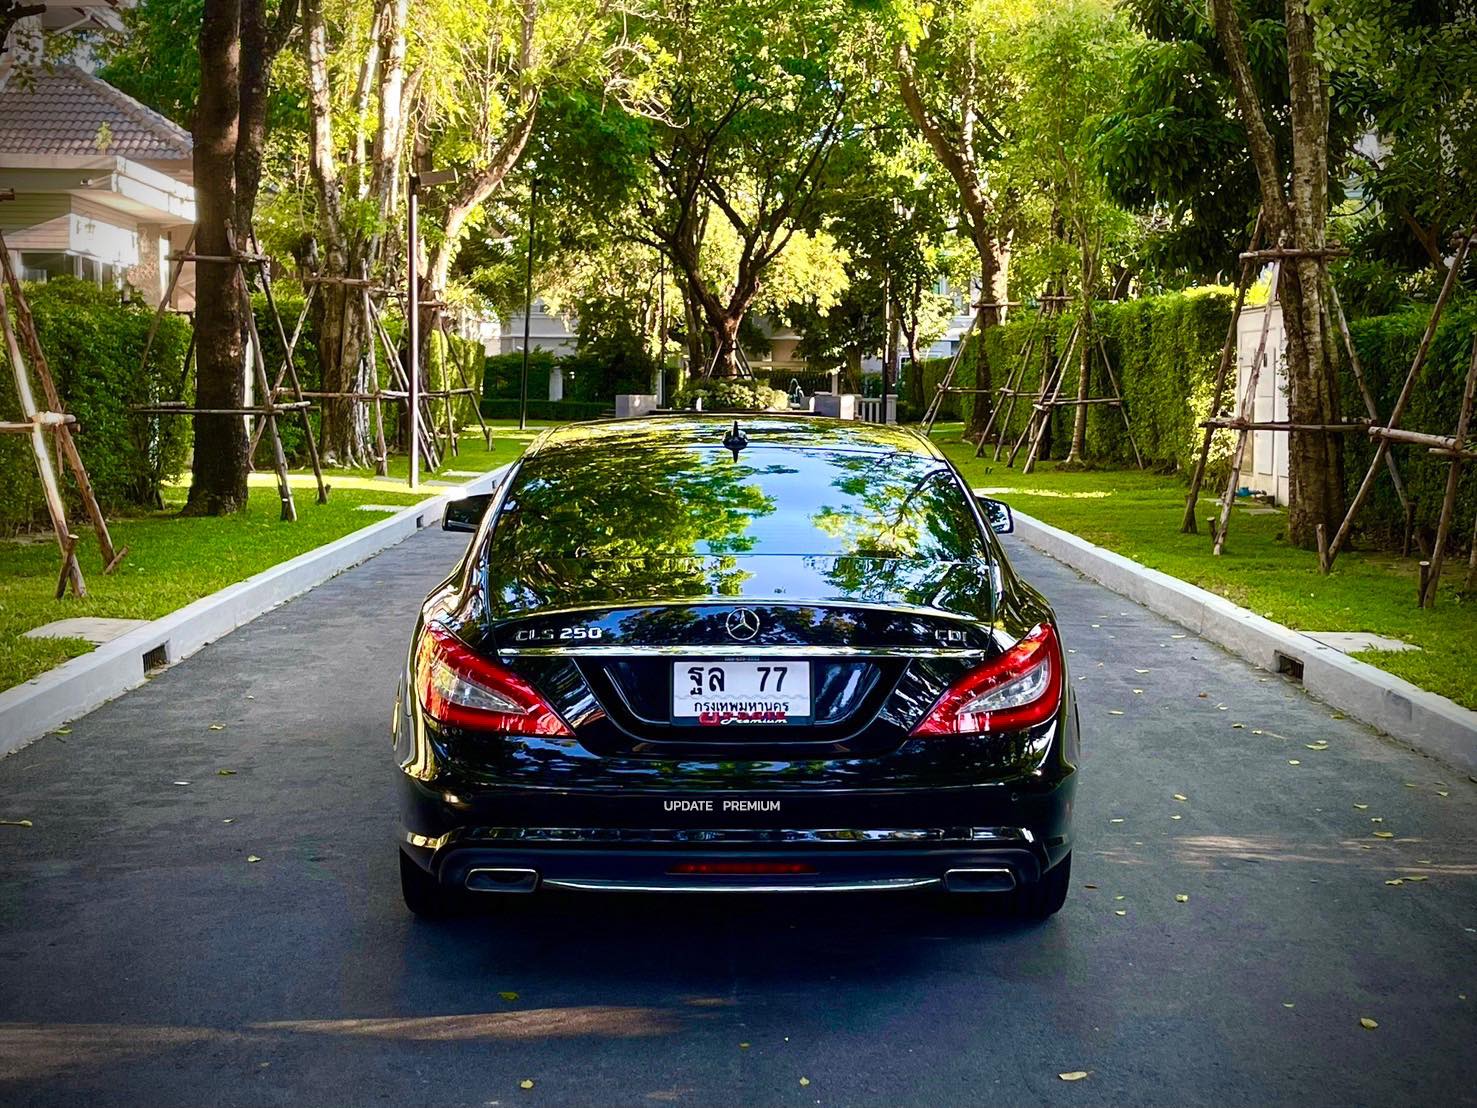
{"x": 1044, "y": 407}
{"x": 1008, "y": 392}
{"x": 1218, "y": 392}
{"x": 1453, "y": 480}
{"x": 1357, "y": 368}
{"x": 1122, "y": 407}
{"x": 1247, "y": 412}
{"x": 289, "y": 366}
{"x": 1417, "y": 364}
{"x": 34, "y": 425}
{"x": 381, "y": 452}
{"x": 66, "y": 445}
{"x": 278, "y": 381}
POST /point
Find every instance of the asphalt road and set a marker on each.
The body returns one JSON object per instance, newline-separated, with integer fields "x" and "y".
{"x": 144, "y": 960}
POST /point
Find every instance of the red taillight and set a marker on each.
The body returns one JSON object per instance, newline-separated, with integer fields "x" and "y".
{"x": 741, "y": 868}
{"x": 459, "y": 687}
{"x": 1021, "y": 688}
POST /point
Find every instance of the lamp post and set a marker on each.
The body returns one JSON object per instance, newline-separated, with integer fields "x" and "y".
{"x": 527, "y": 308}
{"x": 413, "y": 322}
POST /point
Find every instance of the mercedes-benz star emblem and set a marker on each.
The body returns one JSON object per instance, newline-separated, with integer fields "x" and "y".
{"x": 742, "y": 624}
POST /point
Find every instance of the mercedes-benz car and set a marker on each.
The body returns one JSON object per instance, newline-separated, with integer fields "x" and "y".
{"x": 764, "y": 654}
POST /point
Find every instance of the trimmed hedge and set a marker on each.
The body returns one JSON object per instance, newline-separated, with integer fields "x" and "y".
{"x": 93, "y": 344}
{"x": 1164, "y": 350}
{"x": 506, "y": 408}
{"x": 1387, "y": 345}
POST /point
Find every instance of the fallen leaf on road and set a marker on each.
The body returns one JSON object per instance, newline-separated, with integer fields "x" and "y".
{"x": 1222, "y": 707}
{"x": 1286, "y": 1005}
{"x": 1336, "y": 715}
{"x": 1376, "y": 819}
{"x": 1114, "y": 712}
{"x": 1117, "y": 820}
{"x": 217, "y": 726}
{"x": 805, "y": 1081}
{"x": 1423, "y": 861}
{"x": 15, "y": 823}
{"x": 232, "y": 820}
{"x": 1120, "y": 897}
{"x": 1120, "y": 912}
{"x": 509, "y": 997}
{"x": 226, "y": 772}
{"x": 252, "y": 858}
{"x": 1141, "y": 671}
{"x": 1397, "y": 881}
{"x": 1257, "y": 731}
{"x": 1181, "y": 796}
{"x": 1320, "y": 745}
{"x": 1176, "y": 636}
{"x": 743, "y": 1046}
{"x": 1097, "y": 624}
{"x": 1073, "y": 1075}
{"x": 1384, "y": 834}
{"x": 1089, "y": 886}
{"x": 1237, "y": 726}
{"x": 1176, "y": 817}
{"x": 1410, "y": 784}
{"x": 1293, "y": 762}
{"x": 1362, "y": 807}
{"x": 1182, "y": 898}
{"x": 1204, "y": 695}
{"x": 1416, "y": 877}
{"x": 1441, "y": 792}
{"x": 1138, "y": 692}
{"x": 181, "y": 782}
{"x": 526, "y": 1083}
{"x": 1367, "y": 1023}
{"x": 62, "y": 731}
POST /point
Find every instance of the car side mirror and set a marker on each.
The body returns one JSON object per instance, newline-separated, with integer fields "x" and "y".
{"x": 465, "y": 514}
{"x": 997, "y": 515}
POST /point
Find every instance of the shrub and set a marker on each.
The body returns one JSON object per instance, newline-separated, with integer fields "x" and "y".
{"x": 93, "y": 344}
{"x": 731, "y": 395}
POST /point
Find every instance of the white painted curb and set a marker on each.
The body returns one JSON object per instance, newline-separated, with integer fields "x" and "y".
{"x": 76, "y": 687}
{"x": 1431, "y": 724}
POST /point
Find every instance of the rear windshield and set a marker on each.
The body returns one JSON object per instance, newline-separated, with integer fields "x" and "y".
{"x": 688, "y": 501}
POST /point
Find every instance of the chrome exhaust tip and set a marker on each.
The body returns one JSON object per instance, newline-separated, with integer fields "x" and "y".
{"x": 999, "y": 880}
{"x": 484, "y": 880}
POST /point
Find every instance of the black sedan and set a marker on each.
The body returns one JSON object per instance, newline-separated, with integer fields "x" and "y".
{"x": 687, "y": 653}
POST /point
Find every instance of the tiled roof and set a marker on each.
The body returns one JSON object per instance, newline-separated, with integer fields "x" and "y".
{"x": 66, "y": 111}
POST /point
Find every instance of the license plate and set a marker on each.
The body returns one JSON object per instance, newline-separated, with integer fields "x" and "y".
{"x": 722, "y": 694}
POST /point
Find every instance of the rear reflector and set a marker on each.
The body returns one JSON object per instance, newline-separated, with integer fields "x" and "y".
{"x": 459, "y": 687}
{"x": 1021, "y": 688}
{"x": 741, "y": 868}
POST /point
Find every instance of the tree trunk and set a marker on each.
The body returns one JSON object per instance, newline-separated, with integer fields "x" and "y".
{"x": 344, "y": 435}
{"x": 989, "y": 316}
{"x": 1315, "y": 460}
{"x": 218, "y": 476}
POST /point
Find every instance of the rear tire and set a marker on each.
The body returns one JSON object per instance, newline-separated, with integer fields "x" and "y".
{"x": 424, "y": 894}
{"x": 1045, "y": 898}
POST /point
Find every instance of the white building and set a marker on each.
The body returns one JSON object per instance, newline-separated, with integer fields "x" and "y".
{"x": 103, "y": 185}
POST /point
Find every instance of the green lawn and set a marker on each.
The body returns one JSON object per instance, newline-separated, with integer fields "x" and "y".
{"x": 173, "y": 560}
{"x": 1138, "y": 515}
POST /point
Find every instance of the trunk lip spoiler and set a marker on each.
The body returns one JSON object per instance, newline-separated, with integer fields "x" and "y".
{"x": 737, "y": 651}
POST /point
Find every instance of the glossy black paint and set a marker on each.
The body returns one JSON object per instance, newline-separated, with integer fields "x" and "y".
{"x": 670, "y": 535}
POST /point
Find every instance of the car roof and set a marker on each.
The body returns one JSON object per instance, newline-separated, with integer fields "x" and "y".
{"x": 763, "y": 429}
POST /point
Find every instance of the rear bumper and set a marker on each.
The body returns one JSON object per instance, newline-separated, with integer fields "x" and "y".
{"x": 968, "y": 839}
{"x": 997, "y": 862}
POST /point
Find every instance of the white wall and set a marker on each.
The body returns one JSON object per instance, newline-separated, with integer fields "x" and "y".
{"x": 1266, "y": 469}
